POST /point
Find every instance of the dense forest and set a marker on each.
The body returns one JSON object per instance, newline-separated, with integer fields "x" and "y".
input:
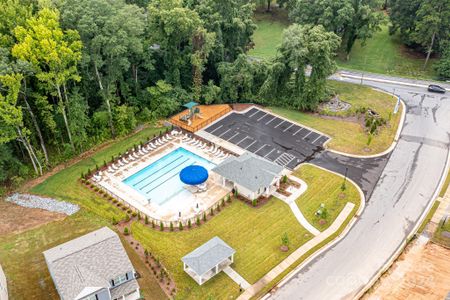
{"x": 75, "y": 73}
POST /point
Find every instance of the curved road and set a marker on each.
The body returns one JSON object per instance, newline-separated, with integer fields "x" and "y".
{"x": 407, "y": 184}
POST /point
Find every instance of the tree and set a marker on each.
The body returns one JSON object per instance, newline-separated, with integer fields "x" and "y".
{"x": 11, "y": 117}
{"x": 443, "y": 66}
{"x": 112, "y": 34}
{"x": 12, "y": 14}
{"x": 350, "y": 19}
{"x": 302, "y": 46}
{"x": 53, "y": 52}
{"x": 432, "y": 20}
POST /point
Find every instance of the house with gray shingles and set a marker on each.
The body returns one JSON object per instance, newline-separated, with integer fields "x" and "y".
{"x": 251, "y": 175}
{"x": 208, "y": 260}
{"x": 94, "y": 266}
{"x": 3, "y": 287}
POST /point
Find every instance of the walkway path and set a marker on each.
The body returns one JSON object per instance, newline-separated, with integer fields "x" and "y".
{"x": 297, "y": 254}
{"x": 236, "y": 277}
{"x": 295, "y": 210}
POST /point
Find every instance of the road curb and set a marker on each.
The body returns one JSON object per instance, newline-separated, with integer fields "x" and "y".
{"x": 400, "y": 249}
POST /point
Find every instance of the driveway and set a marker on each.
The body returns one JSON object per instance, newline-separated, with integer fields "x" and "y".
{"x": 407, "y": 185}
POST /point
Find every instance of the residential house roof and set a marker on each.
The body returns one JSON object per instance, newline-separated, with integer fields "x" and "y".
{"x": 249, "y": 170}
{"x": 208, "y": 255}
{"x": 87, "y": 264}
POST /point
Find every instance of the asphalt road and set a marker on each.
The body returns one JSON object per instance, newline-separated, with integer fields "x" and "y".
{"x": 407, "y": 185}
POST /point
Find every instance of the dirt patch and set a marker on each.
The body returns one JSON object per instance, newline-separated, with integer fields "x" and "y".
{"x": 421, "y": 272}
{"x": 15, "y": 219}
{"x": 243, "y": 106}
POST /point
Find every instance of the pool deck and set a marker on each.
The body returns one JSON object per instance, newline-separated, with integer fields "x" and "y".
{"x": 171, "y": 210}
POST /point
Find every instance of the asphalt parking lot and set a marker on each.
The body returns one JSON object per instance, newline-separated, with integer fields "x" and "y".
{"x": 269, "y": 136}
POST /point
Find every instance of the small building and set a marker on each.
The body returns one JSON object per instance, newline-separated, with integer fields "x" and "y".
{"x": 3, "y": 286}
{"x": 208, "y": 260}
{"x": 94, "y": 266}
{"x": 251, "y": 175}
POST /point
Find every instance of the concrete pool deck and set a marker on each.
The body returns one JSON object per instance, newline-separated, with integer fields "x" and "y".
{"x": 169, "y": 211}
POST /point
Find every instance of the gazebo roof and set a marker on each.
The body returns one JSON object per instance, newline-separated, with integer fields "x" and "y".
{"x": 190, "y": 104}
{"x": 208, "y": 255}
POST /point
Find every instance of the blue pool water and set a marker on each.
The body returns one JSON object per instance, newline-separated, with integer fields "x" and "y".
{"x": 159, "y": 182}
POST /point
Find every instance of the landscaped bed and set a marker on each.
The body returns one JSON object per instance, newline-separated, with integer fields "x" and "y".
{"x": 324, "y": 188}
{"x": 349, "y": 133}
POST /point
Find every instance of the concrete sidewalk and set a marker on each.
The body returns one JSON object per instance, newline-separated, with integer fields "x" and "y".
{"x": 236, "y": 277}
{"x": 297, "y": 254}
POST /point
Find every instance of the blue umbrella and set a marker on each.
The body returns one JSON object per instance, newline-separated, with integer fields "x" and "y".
{"x": 194, "y": 175}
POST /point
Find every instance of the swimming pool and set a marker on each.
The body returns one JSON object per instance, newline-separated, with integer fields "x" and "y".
{"x": 159, "y": 182}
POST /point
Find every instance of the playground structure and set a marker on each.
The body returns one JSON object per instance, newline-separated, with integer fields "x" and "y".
{"x": 196, "y": 116}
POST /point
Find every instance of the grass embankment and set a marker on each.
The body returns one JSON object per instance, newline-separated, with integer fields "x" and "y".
{"x": 255, "y": 234}
{"x": 350, "y": 136}
{"x": 65, "y": 185}
{"x": 324, "y": 187}
{"x": 445, "y": 185}
{"x": 385, "y": 54}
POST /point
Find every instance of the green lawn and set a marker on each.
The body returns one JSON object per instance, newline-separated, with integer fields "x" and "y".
{"x": 350, "y": 136}
{"x": 438, "y": 237}
{"x": 64, "y": 185}
{"x": 445, "y": 185}
{"x": 385, "y": 54}
{"x": 324, "y": 187}
{"x": 268, "y": 35}
{"x": 255, "y": 234}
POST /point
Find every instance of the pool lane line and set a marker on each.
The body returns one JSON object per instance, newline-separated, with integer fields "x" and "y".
{"x": 158, "y": 170}
{"x": 165, "y": 173}
{"x": 168, "y": 178}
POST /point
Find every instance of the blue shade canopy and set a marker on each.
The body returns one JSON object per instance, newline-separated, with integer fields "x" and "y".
{"x": 194, "y": 175}
{"x": 190, "y": 104}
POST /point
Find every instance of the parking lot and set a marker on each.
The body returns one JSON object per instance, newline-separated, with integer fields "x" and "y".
{"x": 269, "y": 136}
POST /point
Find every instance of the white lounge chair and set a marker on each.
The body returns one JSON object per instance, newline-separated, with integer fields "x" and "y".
{"x": 135, "y": 155}
{"x": 125, "y": 161}
{"x": 204, "y": 146}
{"x": 141, "y": 152}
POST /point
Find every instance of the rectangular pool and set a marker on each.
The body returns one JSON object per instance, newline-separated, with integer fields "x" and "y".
{"x": 159, "y": 182}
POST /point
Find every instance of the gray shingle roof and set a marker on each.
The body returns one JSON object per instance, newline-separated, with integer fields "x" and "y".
{"x": 89, "y": 261}
{"x": 249, "y": 170}
{"x": 208, "y": 255}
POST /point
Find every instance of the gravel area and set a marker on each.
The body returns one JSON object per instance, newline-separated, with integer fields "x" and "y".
{"x": 33, "y": 201}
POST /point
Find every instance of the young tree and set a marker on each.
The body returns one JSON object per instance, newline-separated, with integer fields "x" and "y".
{"x": 54, "y": 53}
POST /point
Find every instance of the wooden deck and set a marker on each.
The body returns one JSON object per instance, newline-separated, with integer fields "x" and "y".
{"x": 207, "y": 115}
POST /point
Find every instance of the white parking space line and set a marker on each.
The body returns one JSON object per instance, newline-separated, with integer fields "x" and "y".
{"x": 306, "y": 135}
{"x": 237, "y": 133}
{"x": 260, "y": 148}
{"x": 257, "y": 111}
{"x": 288, "y": 127}
{"x": 298, "y": 131}
{"x": 316, "y": 139}
{"x": 269, "y": 152}
{"x": 224, "y": 132}
{"x": 250, "y": 145}
{"x": 290, "y": 161}
{"x": 280, "y": 123}
{"x": 262, "y": 117}
{"x": 216, "y": 129}
{"x": 246, "y": 137}
{"x": 271, "y": 120}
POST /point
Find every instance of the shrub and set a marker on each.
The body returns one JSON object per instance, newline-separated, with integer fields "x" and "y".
{"x": 146, "y": 252}
{"x": 88, "y": 172}
{"x": 223, "y": 202}
{"x": 235, "y": 192}
{"x": 146, "y": 221}
{"x": 255, "y": 202}
{"x": 228, "y": 198}
{"x": 218, "y": 207}
{"x": 127, "y": 218}
{"x": 161, "y": 226}
{"x": 139, "y": 216}
{"x": 114, "y": 201}
{"x": 129, "y": 211}
{"x": 114, "y": 221}
{"x": 204, "y": 217}
{"x": 343, "y": 187}
{"x": 285, "y": 239}
{"x": 134, "y": 214}
{"x": 119, "y": 204}
{"x": 189, "y": 223}
{"x": 171, "y": 226}
{"x": 82, "y": 175}
{"x": 198, "y": 221}
{"x": 104, "y": 163}
{"x": 180, "y": 226}
{"x": 153, "y": 224}
{"x": 125, "y": 231}
{"x": 285, "y": 179}
{"x": 212, "y": 212}
{"x": 96, "y": 167}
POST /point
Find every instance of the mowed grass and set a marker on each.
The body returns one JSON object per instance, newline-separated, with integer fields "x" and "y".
{"x": 385, "y": 54}
{"x": 350, "y": 136}
{"x": 65, "y": 185}
{"x": 269, "y": 34}
{"x": 324, "y": 187}
{"x": 255, "y": 234}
